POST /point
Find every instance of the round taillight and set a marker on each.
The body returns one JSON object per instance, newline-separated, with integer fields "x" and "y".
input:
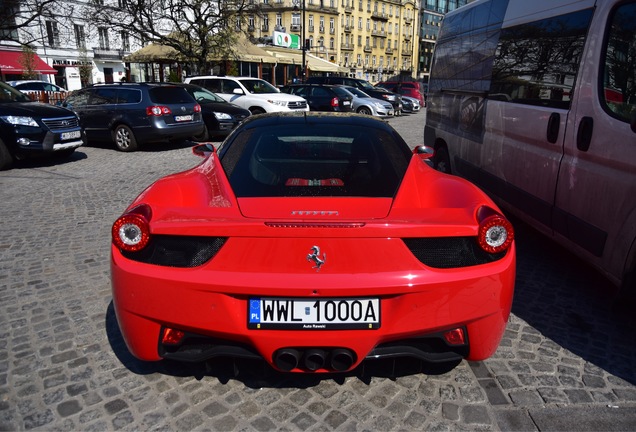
{"x": 334, "y": 102}
{"x": 495, "y": 234}
{"x": 131, "y": 232}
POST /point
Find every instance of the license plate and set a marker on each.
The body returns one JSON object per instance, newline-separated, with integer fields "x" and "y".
{"x": 346, "y": 103}
{"x": 70, "y": 135}
{"x": 313, "y": 314}
{"x": 183, "y": 118}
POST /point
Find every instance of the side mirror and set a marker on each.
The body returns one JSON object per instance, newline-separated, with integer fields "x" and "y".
{"x": 423, "y": 151}
{"x": 238, "y": 91}
{"x": 204, "y": 149}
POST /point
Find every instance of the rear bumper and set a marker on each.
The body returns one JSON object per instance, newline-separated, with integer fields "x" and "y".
{"x": 212, "y": 308}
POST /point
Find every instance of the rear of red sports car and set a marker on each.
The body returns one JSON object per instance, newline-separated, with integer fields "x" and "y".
{"x": 314, "y": 242}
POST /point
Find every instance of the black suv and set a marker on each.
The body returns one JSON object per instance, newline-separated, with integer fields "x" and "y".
{"x": 130, "y": 114}
{"x": 30, "y": 128}
{"x": 376, "y": 92}
{"x": 321, "y": 97}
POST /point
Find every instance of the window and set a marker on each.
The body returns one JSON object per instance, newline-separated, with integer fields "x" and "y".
{"x": 332, "y": 24}
{"x": 80, "y": 36}
{"x": 125, "y": 41}
{"x": 619, "y": 74}
{"x": 279, "y": 19}
{"x": 52, "y": 34}
{"x": 295, "y": 19}
{"x": 536, "y": 63}
{"x": 103, "y": 38}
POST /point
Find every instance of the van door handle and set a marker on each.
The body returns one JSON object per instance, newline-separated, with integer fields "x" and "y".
{"x": 584, "y": 134}
{"x": 553, "y": 127}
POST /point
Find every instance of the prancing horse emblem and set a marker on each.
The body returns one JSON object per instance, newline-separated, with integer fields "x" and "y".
{"x": 315, "y": 257}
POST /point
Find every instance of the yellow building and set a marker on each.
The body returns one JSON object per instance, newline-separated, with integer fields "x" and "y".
{"x": 373, "y": 39}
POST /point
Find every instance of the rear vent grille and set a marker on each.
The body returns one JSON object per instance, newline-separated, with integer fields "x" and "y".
{"x": 178, "y": 251}
{"x": 450, "y": 252}
{"x": 313, "y": 225}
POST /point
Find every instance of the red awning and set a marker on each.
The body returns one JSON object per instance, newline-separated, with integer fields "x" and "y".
{"x": 10, "y": 63}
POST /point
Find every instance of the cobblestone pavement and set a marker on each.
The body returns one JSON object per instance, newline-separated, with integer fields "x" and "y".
{"x": 567, "y": 360}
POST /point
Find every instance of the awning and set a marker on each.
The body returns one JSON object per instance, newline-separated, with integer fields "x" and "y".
{"x": 154, "y": 53}
{"x": 11, "y": 63}
{"x": 314, "y": 63}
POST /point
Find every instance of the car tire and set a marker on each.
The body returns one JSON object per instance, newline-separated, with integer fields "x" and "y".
{"x": 6, "y": 160}
{"x": 364, "y": 110}
{"x": 257, "y": 110}
{"x": 124, "y": 139}
{"x": 441, "y": 160}
{"x": 203, "y": 136}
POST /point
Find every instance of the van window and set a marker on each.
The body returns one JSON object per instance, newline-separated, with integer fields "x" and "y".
{"x": 537, "y": 63}
{"x": 619, "y": 74}
{"x": 128, "y": 96}
{"x": 104, "y": 96}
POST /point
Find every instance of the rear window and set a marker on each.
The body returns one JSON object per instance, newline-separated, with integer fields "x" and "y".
{"x": 316, "y": 160}
{"x": 169, "y": 95}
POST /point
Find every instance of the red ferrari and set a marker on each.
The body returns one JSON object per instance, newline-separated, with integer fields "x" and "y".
{"x": 314, "y": 241}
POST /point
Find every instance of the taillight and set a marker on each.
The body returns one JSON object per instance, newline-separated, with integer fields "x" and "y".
{"x": 197, "y": 108}
{"x": 334, "y": 102}
{"x": 158, "y": 110}
{"x": 495, "y": 233}
{"x": 131, "y": 232}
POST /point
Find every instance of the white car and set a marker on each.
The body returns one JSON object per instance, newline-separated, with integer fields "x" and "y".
{"x": 254, "y": 94}
{"x": 35, "y": 85}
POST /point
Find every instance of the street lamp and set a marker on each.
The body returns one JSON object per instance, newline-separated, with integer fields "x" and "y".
{"x": 302, "y": 37}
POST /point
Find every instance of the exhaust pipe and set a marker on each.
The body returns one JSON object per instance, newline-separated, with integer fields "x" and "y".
{"x": 342, "y": 359}
{"x": 286, "y": 359}
{"x": 315, "y": 359}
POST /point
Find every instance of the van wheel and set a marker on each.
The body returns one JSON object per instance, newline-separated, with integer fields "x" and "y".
{"x": 364, "y": 110}
{"x": 441, "y": 160}
{"x": 6, "y": 160}
{"x": 257, "y": 110}
{"x": 124, "y": 139}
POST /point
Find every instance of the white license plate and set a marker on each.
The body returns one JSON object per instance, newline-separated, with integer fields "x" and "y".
{"x": 346, "y": 103}
{"x": 314, "y": 314}
{"x": 70, "y": 135}
{"x": 183, "y": 118}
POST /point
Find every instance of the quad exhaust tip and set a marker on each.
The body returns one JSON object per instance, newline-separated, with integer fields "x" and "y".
{"x": 312, "y": 359}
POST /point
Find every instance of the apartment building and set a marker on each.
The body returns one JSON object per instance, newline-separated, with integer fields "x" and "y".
{"x": 373, "y": 39}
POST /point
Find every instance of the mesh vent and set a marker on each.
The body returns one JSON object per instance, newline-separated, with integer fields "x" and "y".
{"x": 450, "y": 252}
{"x": 178, "y": 251}
{"x": 61, "y": 123}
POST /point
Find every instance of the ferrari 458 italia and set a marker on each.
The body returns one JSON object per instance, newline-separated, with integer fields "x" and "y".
{"x": 314, "y": 241}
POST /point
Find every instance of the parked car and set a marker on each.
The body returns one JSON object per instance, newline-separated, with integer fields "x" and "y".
{"x": 407, "y": 105}
{"x": 220, "y": 116}
{"x": 322, "y": 97}
{"x": 29, "y": 129}
{"x": 364, "y": 104}
{"x": 254, "y": 94}
{"x": 414, "y": 89}
{"x": 376, "y": 92}
{"x": 133, "y": 114}
{"x": 313, "y": 241}
{"x": 411, "y": 105}
{"x": 35, "y": 85}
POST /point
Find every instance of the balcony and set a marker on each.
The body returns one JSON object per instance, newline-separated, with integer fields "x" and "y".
{"x": 265, "y": 28}
{"x": 367, "y": 48}
{"x": 388, "y": 50}
{"x": 378, "y": 33}
{"x": 295, "y": 27}
{"x": 107, "y": 54}
{"x": 346, "y": 47}
{"x": 347, "y": 29}
{"x": 380, "y": 16}
{"x": 348, "y": 9}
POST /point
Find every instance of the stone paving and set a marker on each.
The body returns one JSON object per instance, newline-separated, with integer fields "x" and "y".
{"x": 568, "y": 356}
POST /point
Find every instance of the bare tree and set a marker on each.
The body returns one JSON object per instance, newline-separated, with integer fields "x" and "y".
{"x": 21, "y": 20}
{"x": 197, "y": 30}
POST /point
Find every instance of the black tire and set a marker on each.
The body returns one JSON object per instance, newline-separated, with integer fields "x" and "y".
{"x": 441, "y": 160}
{"x": 6, "y": 160}
{"x": 203, "y": 136}
{"x": 124, "y": 139}
{"x": 257, "y": 110}
{"x": 364, "y": 110}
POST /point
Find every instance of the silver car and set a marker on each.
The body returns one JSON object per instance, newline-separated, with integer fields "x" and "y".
{"x": 365, "y": 104}
{"x": 414, "y": 102}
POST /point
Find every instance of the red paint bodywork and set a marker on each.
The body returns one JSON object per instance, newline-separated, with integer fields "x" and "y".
{"x": 367, "y": 259}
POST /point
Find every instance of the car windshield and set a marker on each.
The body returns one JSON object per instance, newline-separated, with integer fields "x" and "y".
{"x": 316, "y": 159}
{"x": 258, "y": 86}
{"x": 203, "y": 96}
{"x": 357, "y": 92}
{"x": 8, "y": 94}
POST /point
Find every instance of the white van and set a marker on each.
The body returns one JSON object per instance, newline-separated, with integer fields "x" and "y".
{"x": 535, "y": 102}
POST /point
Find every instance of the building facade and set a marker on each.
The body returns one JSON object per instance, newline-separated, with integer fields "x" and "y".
{"x": 431, "y": 15}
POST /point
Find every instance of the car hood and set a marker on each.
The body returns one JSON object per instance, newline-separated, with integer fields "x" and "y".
{"x": 33, "y": 109}
{"x": 224, "y": 108}
{"x": 277, "y": 96}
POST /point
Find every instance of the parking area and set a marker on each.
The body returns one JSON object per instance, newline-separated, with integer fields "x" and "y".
{"x": 567, "y": 360}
